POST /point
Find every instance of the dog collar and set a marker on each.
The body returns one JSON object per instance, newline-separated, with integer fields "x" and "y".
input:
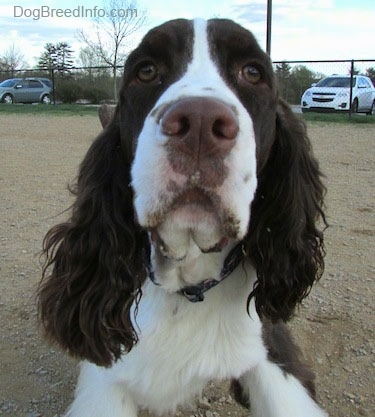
{"x": 195, "y": 293}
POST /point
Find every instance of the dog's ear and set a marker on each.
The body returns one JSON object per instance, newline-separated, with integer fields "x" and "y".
{"x": 94, "y": 262}
{"x": 105, "y": 113}
{"x": 285, "y": 240}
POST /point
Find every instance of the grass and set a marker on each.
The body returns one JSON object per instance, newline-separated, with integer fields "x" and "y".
{"x": 339, "y": 118}
{"x": 81, "y": 109}
{"x": 58, "y": 109}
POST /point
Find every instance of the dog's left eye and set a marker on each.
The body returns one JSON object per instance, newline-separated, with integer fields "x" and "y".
{"x": 147, "y": 73}
{"x": 251, "y": 74}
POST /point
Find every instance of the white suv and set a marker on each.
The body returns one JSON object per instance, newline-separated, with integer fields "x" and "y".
{"x": 333, "y": 93}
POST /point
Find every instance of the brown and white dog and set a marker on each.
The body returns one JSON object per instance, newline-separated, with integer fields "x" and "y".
{"x": 193, "y": 234}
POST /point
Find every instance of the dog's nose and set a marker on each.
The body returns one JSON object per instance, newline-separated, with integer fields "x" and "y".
{"x": 201, "y": 127}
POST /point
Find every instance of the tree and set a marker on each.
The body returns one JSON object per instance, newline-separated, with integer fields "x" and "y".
{"x": 89, "y": 59}
{"x": 95, "y": 77}
{"x": 58, "y": 56}
{"x": 12, "y": 60}
{"x": 283, "y": 73}
{"x": 301, "y": 79}
{"x": 370, "y": 72}
{"x": 64, "y": 55}
{"x": 356, "y": 71}
{"x": 48, "y": 57}
{"x": 294, "y": 81}
{"x": 283, "y": 70}
{"x": 112, "y": 33}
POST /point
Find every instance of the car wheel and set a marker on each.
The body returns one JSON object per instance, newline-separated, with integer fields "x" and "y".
{"x": 46, "y": 99}
{"x": 355, "y": 106}
{"x": 371, "y": 112}
{"x": 8, "y": 99}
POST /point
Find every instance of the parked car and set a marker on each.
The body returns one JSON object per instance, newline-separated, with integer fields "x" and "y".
{"x": 26, "y": 90}
{"x": 333, "y": 94}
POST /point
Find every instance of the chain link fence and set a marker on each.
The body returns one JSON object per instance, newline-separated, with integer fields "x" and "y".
{"x": 324, "y": 86}
{"x": 345, "y": 91}
{"x": 78, "y": 84}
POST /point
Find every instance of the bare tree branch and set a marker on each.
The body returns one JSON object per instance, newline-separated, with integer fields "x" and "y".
{"x": 12, "y": 59}
{"x": 112, "y": 33}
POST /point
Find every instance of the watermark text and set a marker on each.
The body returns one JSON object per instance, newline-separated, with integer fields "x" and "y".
{"x": 79, "y": 11}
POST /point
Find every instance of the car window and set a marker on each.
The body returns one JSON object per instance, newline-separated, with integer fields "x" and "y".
{"x": 24, "y": 83}
{"x": 9, "y": 83}
{"x": 362, "y": 82}
{"x": 35, "y": 84}
{"x": 343, "y": 82}
{"x": 47, "y": 82}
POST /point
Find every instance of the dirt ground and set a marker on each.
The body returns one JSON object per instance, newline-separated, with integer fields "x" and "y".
{"x": 335, "y": 326}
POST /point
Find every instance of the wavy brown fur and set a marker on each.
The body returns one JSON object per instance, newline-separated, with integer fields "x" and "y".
{"x": 94, "y": 265}
{"x": 284, "y": 240}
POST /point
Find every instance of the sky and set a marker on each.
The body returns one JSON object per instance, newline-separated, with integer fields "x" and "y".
{"x": 301, "y": 29}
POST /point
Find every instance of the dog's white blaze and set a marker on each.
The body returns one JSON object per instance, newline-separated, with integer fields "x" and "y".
{"x": 201, "y": 55}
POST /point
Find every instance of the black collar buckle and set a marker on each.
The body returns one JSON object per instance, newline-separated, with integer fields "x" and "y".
{"x": 195, "y": 293}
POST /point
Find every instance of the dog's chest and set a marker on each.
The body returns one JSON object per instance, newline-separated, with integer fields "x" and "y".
{"x": 184, "y": 345}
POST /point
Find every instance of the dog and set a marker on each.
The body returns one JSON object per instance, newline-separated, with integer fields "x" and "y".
{"x": 193, "y": 236}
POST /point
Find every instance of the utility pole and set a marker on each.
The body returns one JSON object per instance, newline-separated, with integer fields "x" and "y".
{"x": 269, "y": 24}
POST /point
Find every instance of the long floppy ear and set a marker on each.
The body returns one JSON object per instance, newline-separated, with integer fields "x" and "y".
{"x": 284, "y": 240}
{"x": 105, "y": 113}
{"x": 94, "y": 262}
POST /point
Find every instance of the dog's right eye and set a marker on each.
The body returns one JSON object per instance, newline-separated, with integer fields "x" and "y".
{"x": 147, "y": 73}
{"x": 251, "y": 74}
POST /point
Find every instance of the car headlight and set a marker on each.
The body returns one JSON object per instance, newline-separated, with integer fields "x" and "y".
{"x": 307, "y": 94}
{"x": 343, "y": 94}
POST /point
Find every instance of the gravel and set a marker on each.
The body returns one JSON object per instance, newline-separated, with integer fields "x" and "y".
{"x": 39, "y": 156}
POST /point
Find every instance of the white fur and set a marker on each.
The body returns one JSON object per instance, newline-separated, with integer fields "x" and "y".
{"x": 183, "y": 345}
{"x": 275, "y": 394}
